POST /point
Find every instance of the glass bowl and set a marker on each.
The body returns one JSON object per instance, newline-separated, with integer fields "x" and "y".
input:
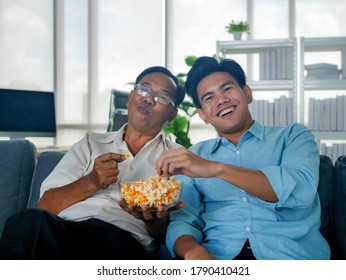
{"x": 153, "y": 192}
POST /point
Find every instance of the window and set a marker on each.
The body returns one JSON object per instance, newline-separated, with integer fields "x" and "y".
{"x": 26, "y": 49}
{"x": 103, "y": 45}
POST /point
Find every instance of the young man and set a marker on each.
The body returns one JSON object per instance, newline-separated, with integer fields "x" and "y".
{"x": 251, "y": 193}
{"x": 80, "y": 216}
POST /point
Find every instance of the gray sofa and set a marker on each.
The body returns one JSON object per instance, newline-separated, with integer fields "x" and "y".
{"x": 21, "y": 174}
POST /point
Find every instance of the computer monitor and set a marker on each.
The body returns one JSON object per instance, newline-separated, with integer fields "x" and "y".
{"x": 27, "y": 113}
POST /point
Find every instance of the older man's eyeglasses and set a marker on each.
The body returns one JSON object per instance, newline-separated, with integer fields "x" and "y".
{"x": 158, "y": 96}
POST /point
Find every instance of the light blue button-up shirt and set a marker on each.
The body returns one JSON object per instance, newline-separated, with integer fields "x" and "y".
{"x": 222, "y": 216}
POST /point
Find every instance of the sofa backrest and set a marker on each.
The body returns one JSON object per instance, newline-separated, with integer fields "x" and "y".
{"x": 17, "y": 163}
{"x": 20, "y": 184}
{"x": 45, "y": 164}
{"x": 326, "y": 194}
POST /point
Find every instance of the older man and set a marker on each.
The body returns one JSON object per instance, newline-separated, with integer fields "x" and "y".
{"x": 79, "y": 215}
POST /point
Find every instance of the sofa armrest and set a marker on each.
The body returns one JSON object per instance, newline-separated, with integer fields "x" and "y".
{"x": 17, "y": 163}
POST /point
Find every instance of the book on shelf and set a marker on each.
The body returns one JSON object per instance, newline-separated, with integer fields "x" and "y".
{"x": 289, "y": 63}
{"x": 334, "y": 151}
{"x": 279, "y": 62}
{"x": 316, "y": 114}
{"x": 266, "y": 112}
{"x": 289, "y": 110}
{"x": 322, "y": 71}
{"x": 276, "y": 64}
{"x": 321, "y": 67}
{"x": 343, "y": 64}
{"x": 333, "y": 113}
{"x": 267, "y": 66}
{"x": 264, "y": 65}
{"x": 270, "y": 113}
{"x": 283, "y": 110}
{"x": 276, "y": 111}
{"x": 320, "y": 110}
{"x": 261, "y": 112}
{"x": 340, "y": 113}
{"x": 273, "y": 65}
{"x": 327, "y": 114}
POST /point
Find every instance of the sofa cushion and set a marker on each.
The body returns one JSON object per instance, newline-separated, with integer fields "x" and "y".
{"x": 340, "y": 205}
{"x": 17, "y": 163}
{"x": 45, "y": 164}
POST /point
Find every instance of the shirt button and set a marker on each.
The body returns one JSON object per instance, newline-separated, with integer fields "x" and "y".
{"x": 242, "y": 190}
{"x": 131, "y": 168}
{"x": 237, "y": 152}
{"x": 248, "y": 229}
{"x": 244, "y": 199}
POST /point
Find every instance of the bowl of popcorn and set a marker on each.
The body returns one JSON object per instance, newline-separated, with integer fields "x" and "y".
{"x": 153, "y": 192}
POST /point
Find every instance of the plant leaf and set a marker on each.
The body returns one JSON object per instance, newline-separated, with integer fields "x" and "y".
{"x": 190, "y": 60}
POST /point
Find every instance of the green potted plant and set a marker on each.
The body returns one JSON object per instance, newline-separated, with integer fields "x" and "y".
{"x": 180, "y": 126}
{"x": 237, "y": 28}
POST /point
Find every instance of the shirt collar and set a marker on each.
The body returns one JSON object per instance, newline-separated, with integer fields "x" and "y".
{"x": 256, "y": 130}
{"x": 118, "y": 136}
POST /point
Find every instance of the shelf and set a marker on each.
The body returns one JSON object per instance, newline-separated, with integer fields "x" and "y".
{"x": 251, "y": 46}
{"x": 323, "y": 44}
{"x": 271, "y": 85}
{"x": 224, "y": 48}
{"x": 329, "y": 135}
{"x": 280, "y": 64}
{"x": 297, "y": 85}
{"x": 325, "y": 84}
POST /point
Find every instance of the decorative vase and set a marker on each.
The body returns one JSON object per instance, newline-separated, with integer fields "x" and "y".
{"x": 237, "y": 35}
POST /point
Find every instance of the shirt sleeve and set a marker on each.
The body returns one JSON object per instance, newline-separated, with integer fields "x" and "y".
{"x": 295, "y": 180}
{"x": 70, "y": 168}
{"x": 187, "y": 220}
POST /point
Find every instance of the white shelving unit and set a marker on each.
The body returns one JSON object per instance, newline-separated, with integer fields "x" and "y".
{"x": 298, "y": 85}
{"x": 326, "y": 44}
{"x": 227, "y": 48}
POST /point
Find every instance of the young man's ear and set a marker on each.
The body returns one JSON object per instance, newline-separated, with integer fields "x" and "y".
{"x": 202, "y": 115}
{"x": 248, "y": 93}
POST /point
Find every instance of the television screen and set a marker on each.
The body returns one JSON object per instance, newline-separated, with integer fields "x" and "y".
{"x": 27, "y": 113}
